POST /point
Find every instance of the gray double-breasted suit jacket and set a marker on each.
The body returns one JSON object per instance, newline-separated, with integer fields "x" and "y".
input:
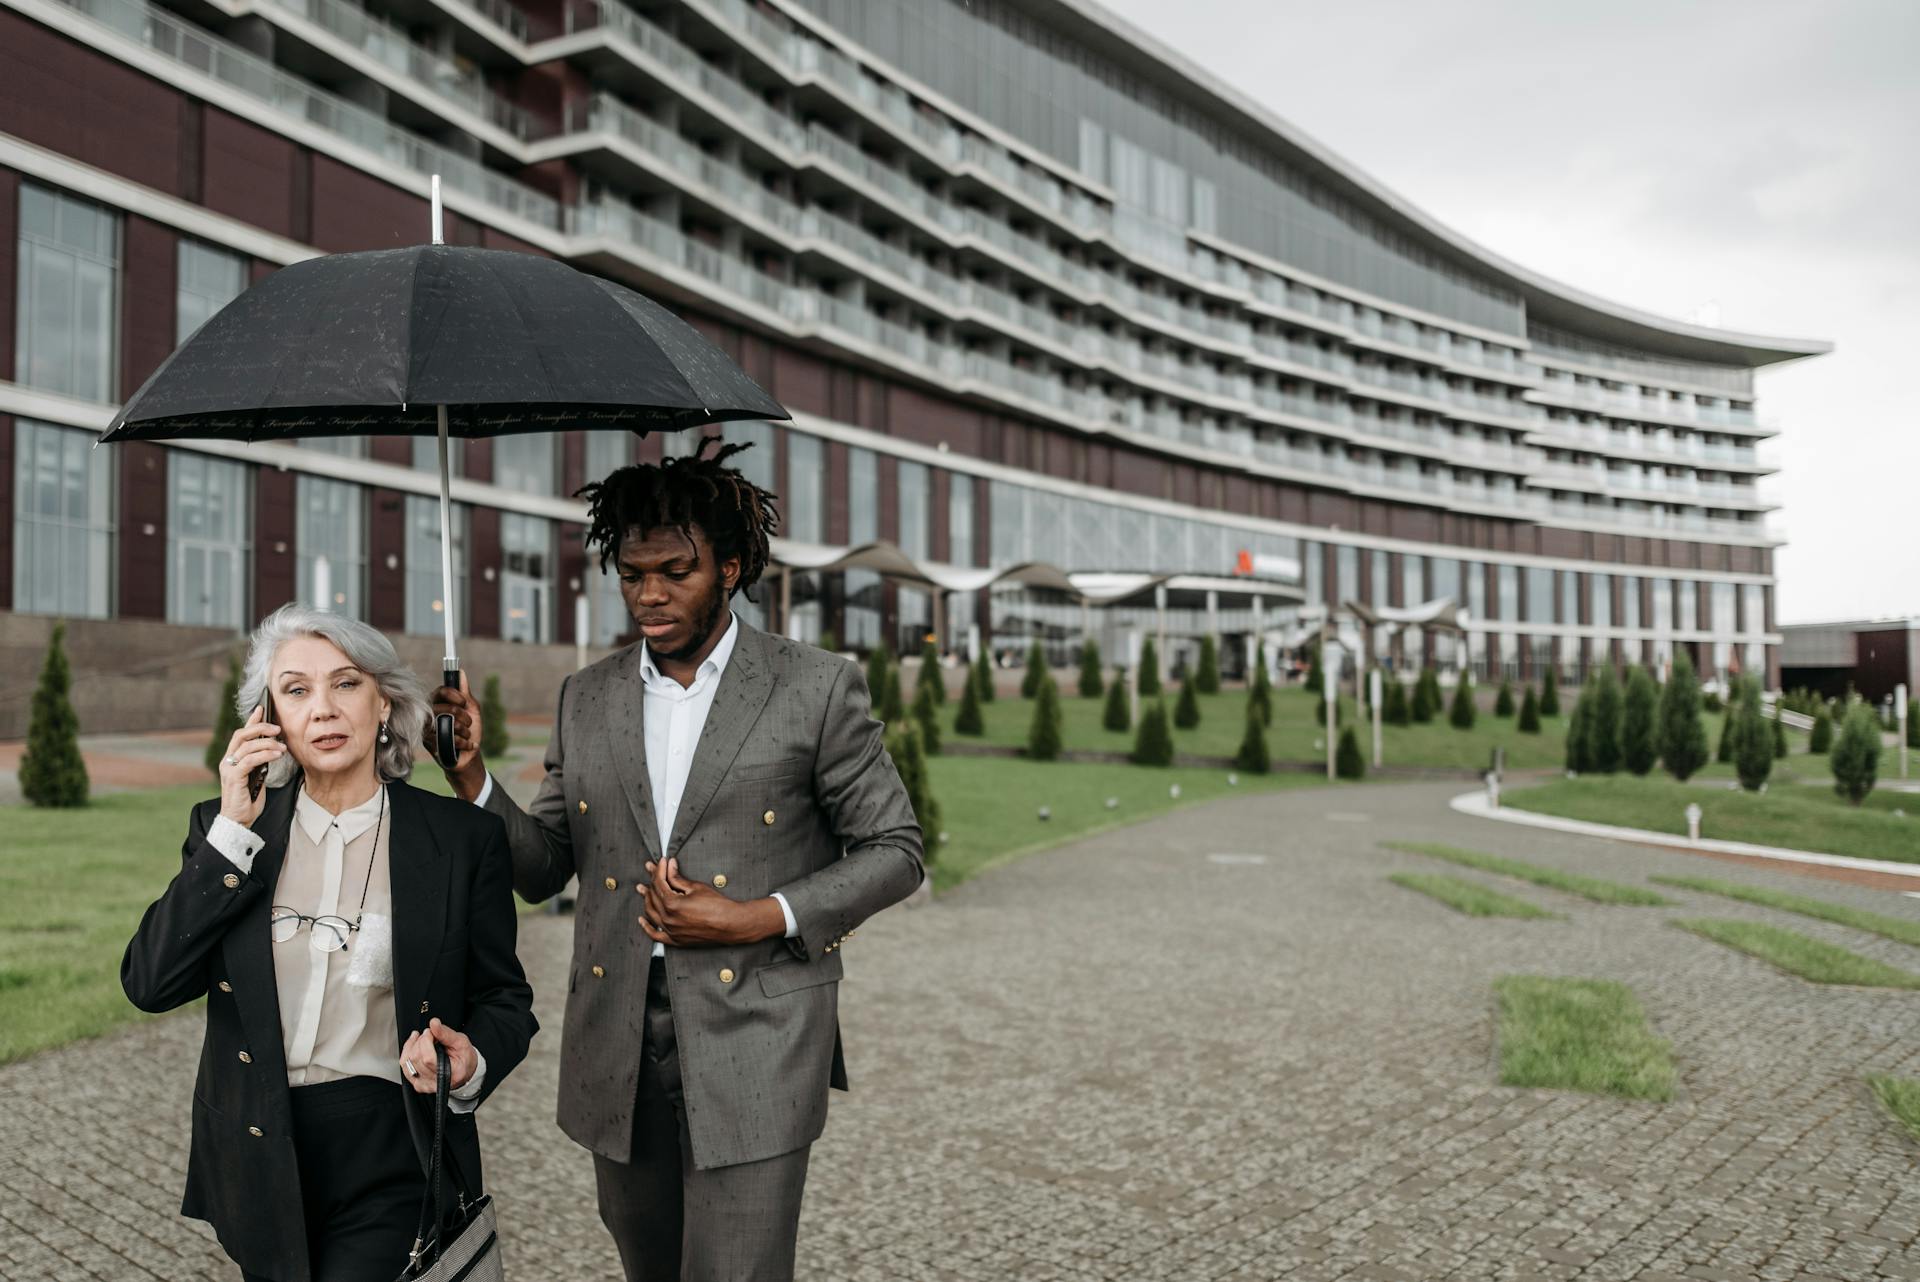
{"x": 790, "y": 789}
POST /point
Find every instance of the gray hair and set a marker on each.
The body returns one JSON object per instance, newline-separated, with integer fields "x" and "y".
{"x": 368, "y": 650}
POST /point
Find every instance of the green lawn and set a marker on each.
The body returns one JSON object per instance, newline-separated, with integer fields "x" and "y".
{"x": 1600, "y": 892}
{"x": 1294, "y": 735}
{"x": 1797, "y": 954}
{"x": 990, "y": 805}
{"x": 1899, "y": 929}
{"x": 1800, "y": 818}
{"x": 1468, "y": 897}
{"x": 1901, "y": 1096}
{"x": 1579, "y": 1035}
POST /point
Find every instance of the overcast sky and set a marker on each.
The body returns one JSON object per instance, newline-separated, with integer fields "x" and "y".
{"x": 1754, "y": 164}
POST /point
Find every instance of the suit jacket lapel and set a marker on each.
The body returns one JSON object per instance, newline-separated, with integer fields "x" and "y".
{"x": 416, "y": 880}
{"x": 627, "y": 735}
{"x": 745, "y": 687}
{"x": 248, "y": 945}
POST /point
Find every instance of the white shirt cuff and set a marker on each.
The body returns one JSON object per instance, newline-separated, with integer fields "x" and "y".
{"x": 793, "y": 927}
{"x": 486, "y": 790}
{"x": 238, "y": 844}
{"x": 467, "y": 1098}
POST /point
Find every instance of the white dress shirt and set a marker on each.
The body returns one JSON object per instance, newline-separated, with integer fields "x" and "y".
{"x": 674, "y": 717}
{"x": 336, "y": 1018}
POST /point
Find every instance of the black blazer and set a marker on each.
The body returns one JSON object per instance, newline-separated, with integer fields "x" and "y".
{"x": 454, "y": 923}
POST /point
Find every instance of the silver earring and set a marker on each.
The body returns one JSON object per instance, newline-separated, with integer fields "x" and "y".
{"x": 383, "y": 732}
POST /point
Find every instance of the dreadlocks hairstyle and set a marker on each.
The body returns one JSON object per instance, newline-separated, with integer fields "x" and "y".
{"x": 736, "y": 515}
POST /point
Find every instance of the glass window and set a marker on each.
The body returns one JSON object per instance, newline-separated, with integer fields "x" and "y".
{"x": 426, "y": 454}
{"x": 1346, "y": 572}
{"x": 426, "y": 608}
{"x": 208, "y": 538}
{"x": 863, "y": 526}
{"x": 1754, "y": 608}
{"x": 527, "y": 462}
{"x": 606, "y": 452}
{"x": 805, "y": 516}
{"x": 1316, "y": 572}
{"x": 1722, "y": 605}
{"x": 1569, "y": 596}
{"x": 526, "y": 578}
{"x": 209, "y": 279}
{"x": 1379, "y": 571}
{"x": 1662, "y": 605}
{"x": 62, "y": 522}
{"x": 915, "y": 536}
{"x": 960, "y": 518}
{"x": 1476, "y": 576}
{"x": 1443, "y": 580}
{"x": 329, "y": 526}
{"x": 346, "y": 446}
{"x": 69, "y": 264}
{"x": 1509, "y": 602}
{"x": 1413, "y": 580}
{"x": 1539, "y": 594}
{"x": 1630, "y": 601}
{"x": 1601, "y": 590}
{"x": 1688, "y": 610}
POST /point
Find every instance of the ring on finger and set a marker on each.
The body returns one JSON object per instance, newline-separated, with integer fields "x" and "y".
{"x": 233, "y": 761}
{"x": 411, "y": 1070}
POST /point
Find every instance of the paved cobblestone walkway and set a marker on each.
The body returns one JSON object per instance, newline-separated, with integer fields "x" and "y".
{"x": 1128, "y": 1060}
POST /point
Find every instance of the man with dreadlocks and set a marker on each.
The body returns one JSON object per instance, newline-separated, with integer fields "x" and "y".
{"x": 725, "y": 800}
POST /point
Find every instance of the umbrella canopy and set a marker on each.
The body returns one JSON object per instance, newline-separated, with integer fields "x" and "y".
{"x": 370, "y": 344}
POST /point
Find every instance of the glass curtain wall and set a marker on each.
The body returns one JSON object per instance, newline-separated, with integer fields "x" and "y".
{"x": 863, "y": 526}
{"x": 63, "y": 522}
{"x": 209, "y": 279}
{"x": 803, "y": 515}
{"x": 526, "y": 578}
{"x": 330, "y": 524}
{"x": 208, "y": 540}
{"x": 916, "y": 540}
{"x": 426, "y": 607}
{"x": 67, "y": 300}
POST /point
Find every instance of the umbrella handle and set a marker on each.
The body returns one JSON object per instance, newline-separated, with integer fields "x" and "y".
{"x": 445, "y": 748}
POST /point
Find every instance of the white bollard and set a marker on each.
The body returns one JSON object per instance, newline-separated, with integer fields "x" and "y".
{"x": 1693, "y": 821}
{"x": 1493, "y": 789}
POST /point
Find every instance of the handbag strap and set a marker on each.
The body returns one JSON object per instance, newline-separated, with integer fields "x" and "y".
{"x": 433, "y": 1205}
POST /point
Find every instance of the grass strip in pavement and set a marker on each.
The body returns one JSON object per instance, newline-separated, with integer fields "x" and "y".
{"x": 1899, "y": 929}
{"x": 1466, "y": 896}
{"x": 1901, "y": 1095}
{"x": 1797, "y": 954}
{"x": 1579, "y": 1035}
{"x": 1600, "y": 892}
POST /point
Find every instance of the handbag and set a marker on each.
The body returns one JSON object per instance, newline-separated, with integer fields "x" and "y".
{"x": 458, "y": 1243}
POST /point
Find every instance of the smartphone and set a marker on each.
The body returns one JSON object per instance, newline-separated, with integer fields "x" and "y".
{"x": 257, "y": 777}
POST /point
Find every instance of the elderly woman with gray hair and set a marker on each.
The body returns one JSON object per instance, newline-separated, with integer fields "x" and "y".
{"x": 343, "y": 926}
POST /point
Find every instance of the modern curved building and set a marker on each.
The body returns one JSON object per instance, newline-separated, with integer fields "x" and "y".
{"x": 1036, "y": 288}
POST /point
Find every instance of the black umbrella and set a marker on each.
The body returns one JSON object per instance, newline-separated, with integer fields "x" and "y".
{"x": 437, "y": 340}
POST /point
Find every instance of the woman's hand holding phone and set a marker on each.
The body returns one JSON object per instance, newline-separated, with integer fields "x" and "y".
{"x": 255, "y": 745}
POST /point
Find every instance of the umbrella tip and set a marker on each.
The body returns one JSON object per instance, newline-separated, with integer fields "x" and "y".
{"x": 439, "y": 236}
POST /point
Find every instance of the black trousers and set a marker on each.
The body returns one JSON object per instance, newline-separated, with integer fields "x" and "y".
{"x": 673, "y": 1222}
{"x": 360, "y": 1179}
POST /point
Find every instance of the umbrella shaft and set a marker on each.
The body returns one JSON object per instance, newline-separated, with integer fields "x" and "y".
{"x": 452, "y": 662}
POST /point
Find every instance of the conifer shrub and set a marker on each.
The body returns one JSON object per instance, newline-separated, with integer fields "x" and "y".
{"x": 1347, "y": 761}
{"x": 52, "y": 772}
{"x": 1503, "y": 702}
{"x": 930, "y": 678}
{"x": 1186, "y": 711}
{"x": 1752, "y": 742}
{"x": 1091, "y": 687}
{"x": 1682, "y": 736}
{"x": 1461, "y": 713}
{"x": 1206, "y": 677}
{"x": 1253, "y": 756}
{"x": 1149, "y": 669}
{"x": 1260, "y": 695}
{"x": 1153, "y": 740}
{"x": 1820, "y": 741}
{"x": 1529, "y": 720}
{"x": 1036, "y": 674}
{"x": 1550, "y": 695}
{"x": 968, "y": 720}
{"x": 1639, "y": 748}
{"x": 1043, "y": 732}
{"x": 1855, "y": 757}
{"x": 892, "y": 707}
{"x": 926, "y": 715}
{"x": 1603, "y": 724}
{"x": 1394, "y": 708}
{"x": 1116, "y": 715}
{"x": 909, "y": 758}
{"x": 1426, "y": 697}
{"x": 983, "y": 676}
{"x": 226, "y": 718}
{"x": 494, "y": 738}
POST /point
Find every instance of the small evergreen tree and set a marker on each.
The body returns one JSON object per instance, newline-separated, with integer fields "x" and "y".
{"x": 1149, "y": 668}
{"x": 1461, "y": 714}
{"x": 493, "y": 720}
{"x": 52, "y": 772}
{"x": 1206, "y": 677}
{"x": 1529, "y": 720}
{"x": 892, "y": 707}
{"x": 983, "y": 676}
{"x": 1913, "y": 722}
{"x": 1780, "y": 748}
{"x": 1856, "y": 755}
{"x": 1186, "y": 711}
{"x": 930, "y": 678}
{"x": 879, "y": 659}
{"x": 1723, "y": 751}
{"x": 1116, "y": 715}
{"x": 1577, "y": 733}
{"x": 1394, "y": 709}
{"x": 909, "y": 758}
{"x": 1821, "y": 740}
{"x": 1426, "y": 697}
{"x": 1549, "y": 695}
{"x": 1682, "y": 738}
{"x": 968, "y": 720}
{"x": 226, "y": 719}
{"x": 1260, "y": 695}
{"x": 1153, "y": 741}
{"x": 1603, "y": 725}
{"x": 1036, "y": 674}
{"x": 1503, "y": 702}
{"x": 926, "y": 715}
{"x": 1711, "y": 702}
{"x": 1253, "y": 756}
{"x": 1043, "y": 733}
{"x": 1091, "y": 687}
{"x": 1638, "y": 747}
{"x": 1347, "y": 761}
{"x": 1752, "y": 744}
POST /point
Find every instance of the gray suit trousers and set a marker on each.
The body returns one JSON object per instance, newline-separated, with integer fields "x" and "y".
{"x": 673, "y": 1222}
